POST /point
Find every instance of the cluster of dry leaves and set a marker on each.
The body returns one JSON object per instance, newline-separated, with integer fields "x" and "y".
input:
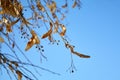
{"x": 42, "y": 11}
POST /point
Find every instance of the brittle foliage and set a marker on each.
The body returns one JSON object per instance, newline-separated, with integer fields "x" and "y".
{"x": 27, "y": 17}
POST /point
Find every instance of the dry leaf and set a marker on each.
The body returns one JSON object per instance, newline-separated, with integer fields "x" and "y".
{"x": 29, "y": 45}
{"x": 13, "y": 9}
{"x": 74, "y": 5}
{"x": 48, "y": 33}
{"x": 1, "y": 39}
{"x": 35, "y": 37}
{"x": 76, "y": 53}
{"x": 34, "y": 40}
{"x": 63, "y": 30}
{"x": 19, "y": 74}
{"x": 81, "y": 55}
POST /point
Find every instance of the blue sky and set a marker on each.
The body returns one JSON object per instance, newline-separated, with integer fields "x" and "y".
{"x": 94, "y": 30}
{"x": 97, "y": 33}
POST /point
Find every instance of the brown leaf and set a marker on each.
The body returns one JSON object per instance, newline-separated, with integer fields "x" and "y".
{"x": 81, "y": 55}
{"x": 34, "y": 40}
{"x": 74, "y": 5}
{"x": 48, "y": 33}
{"x": 19, "y": 74}
{"x": 1, "y": 39}
{"x": 29, "y": 45}
{"x": 35, "y": 37}
{"x": 76, "y": 53}
{"x": 63, "y": 30}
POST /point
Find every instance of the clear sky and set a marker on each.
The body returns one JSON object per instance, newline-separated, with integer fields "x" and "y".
{"x": 94, "y": 30}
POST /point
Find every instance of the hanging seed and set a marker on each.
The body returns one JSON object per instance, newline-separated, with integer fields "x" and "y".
{"x": 72, "y": 71}
{"x": 42, "y": 50}
{"x": 41, "y": 46}
{"x": 36, "y": 47}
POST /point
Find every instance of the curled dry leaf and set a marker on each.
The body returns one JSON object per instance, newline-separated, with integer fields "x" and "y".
{"x": 1, "y": 39}
{"x": 76, "y": 53}
{"x": 48, "y": 33}
{"x": 19, "y": 74}
{"x": 82, "y": 55}
{"x": 63, "y": 30}
{"x": 29, "y": 44}
{"x": 34, "y": 40}
{"x": 74, "y": 4}
{"x": 34, "y": 35}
